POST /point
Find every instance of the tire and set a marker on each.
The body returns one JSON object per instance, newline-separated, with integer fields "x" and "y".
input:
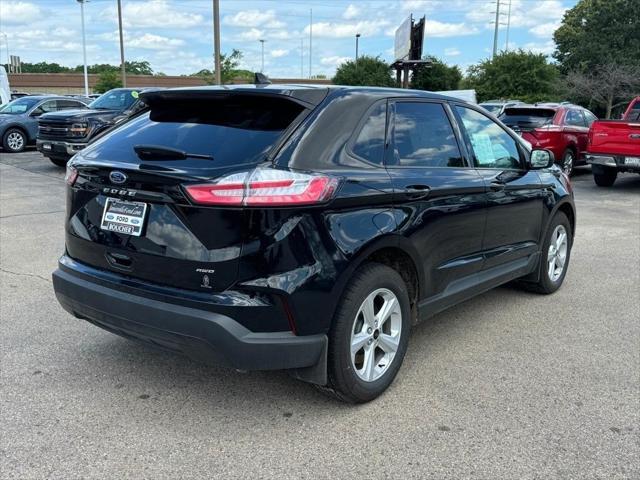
{"x": 605, "y": 177}
{"x": 59, "y": 161}
{"x": 568, "y": 162}
{"x": 548, "y": 283}
{"x": 349, "y": 377}
{"x": 14, "y": 140}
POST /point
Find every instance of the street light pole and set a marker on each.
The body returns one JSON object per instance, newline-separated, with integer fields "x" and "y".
{"x": 216, "y": 41}
{"x": 84, "y": 49}
{"x": 357, "y": 38}
{"x": 262, "y": 69}
{"x": 122, "y": 64}
{"x": 495, "y": 31}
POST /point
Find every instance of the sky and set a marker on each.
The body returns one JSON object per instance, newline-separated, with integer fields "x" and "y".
{"x": 176, "y": 36}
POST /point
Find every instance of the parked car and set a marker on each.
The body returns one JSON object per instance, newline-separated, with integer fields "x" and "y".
{"x": 19, "y": 118}
{"x": 562, "y": 128}
{"x": 497, "y": 106}
{"x": 614, "y": 146}
{"x": 62, "y": 134}
{"x": 305, "y": 228}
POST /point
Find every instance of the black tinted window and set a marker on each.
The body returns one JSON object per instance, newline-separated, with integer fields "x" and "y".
{"x": 370, "y": 141}
{"x": 492, "y": 146}
{"x": 574, "y": 118}
{"x": 423, "y": 137}
{"x": 234, "y": 130}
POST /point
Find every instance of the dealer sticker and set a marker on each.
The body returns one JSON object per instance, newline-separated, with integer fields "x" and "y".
{"x": 123, "y": 217}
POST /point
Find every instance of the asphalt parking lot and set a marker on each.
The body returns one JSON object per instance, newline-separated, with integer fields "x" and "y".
{"x": 509, "y": 385}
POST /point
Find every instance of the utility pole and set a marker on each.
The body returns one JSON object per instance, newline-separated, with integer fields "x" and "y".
{"x": 262, "y": 43}
{"x": 122, "y": 65}
{"x": 508, "y": 26}
{"x": 495, "y": 31}
{"x": 310, "y": 37}
{"x": 216, "y": 41}
{"x": 357, "y": 38}
{"x": 84, "y": 50}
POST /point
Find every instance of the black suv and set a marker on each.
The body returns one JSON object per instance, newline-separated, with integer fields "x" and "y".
{"x": 62, "y": 134}
{"x": 305, "y": 228}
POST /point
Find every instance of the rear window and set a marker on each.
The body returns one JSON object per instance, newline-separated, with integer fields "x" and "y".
{"x": 527, "y": 117}
{"x": 234, "y": 130}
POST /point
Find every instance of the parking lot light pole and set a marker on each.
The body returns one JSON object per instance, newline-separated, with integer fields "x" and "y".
{"x": 357, "y": 38}
{"x": 216, "y": 41}
{"x": 84, "y": 50}
{"x": 122, "y": 64}
{"x": 262, "y": 43}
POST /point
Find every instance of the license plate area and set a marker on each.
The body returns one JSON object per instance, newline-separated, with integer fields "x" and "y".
{"x": 632, "y": 161}
{"x": 122, "y": 216}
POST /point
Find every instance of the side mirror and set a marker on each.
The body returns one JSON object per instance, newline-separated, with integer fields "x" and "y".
{"x": 541, "y": 159}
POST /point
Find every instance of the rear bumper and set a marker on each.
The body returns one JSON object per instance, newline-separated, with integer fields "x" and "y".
{"x": 58, "y": 147}
{"x": 619, "y": 162}
{"x": 202, "y": 335}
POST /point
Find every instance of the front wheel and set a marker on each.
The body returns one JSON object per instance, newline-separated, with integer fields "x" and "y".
{"x": 369, "y": 336}
{"x": 14, "y": 140}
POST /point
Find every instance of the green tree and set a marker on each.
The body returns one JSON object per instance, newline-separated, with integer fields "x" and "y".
{"x": 44, "y": 67}
{"x": 595, "y": 32}
{"x": 229, "y": 69}
{"x": 437, "y": 76}
{"x": 367, "y": 71}
{"x": 517, "y": 74}
{"x": 106, "y": 81}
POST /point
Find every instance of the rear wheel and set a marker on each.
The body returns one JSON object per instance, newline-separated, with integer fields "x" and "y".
{"x": 605, "y": 177}
{"x": 554, "y": 260}
{"x": 14, "y": 140}
{"x": 369, "y": 336}
{"x": 59, "y": 161}
{"x": 568, "y": 162}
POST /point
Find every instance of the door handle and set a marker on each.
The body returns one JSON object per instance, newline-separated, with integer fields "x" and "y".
{"x": 496, "y": 186}
{"x": 415, "y": 192}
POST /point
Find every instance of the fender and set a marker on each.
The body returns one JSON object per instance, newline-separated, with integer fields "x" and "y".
{"x": 20, "y": 127}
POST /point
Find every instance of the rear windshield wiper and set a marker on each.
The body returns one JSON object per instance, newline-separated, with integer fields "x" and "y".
{"x": 158, "y": 152}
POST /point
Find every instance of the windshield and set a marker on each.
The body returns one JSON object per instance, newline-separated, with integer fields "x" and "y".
{"x": 115, "y": 100}
{"x": 527, "y": 117}
{"x": 20, "y": 105}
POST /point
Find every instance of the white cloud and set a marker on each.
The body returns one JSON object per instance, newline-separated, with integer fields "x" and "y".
{"x": 254, "y": 18}
{"x": 334, "y": 61}
{"x": 19, "y": 12}
{"x": 433, "y": 28}
{"x": 153, "y": 42}
{"x": 546, "y": 48}
{"x": 351, "y": 12}
{"x": 545, "y": 30}
{"x": 251, "y": 35}
{"x": 279, "y": 53}
{"x": 523, "y": 14}
{"x": 452, "y": 52}
{"x": 153, "y": 13}
{"x": 342, "y": 30}
{"x": 418, "y": 6}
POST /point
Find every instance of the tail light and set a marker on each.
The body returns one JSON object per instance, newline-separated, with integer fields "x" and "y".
{"x": 71, "y": 175}
{"x": 265, "y": 187}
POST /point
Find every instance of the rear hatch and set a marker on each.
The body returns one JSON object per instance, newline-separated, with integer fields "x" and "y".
{"x": 615, "y": 137}
{"x": 532, "y": 123}
{"x": 166, "y": 238}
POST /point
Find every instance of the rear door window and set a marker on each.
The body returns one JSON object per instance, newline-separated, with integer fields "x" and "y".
{"x": 492, "y": 146}
{"x": 233, "y": 129}
{"x": 369, "y": 144}
{"x": 575, "y": 118}
{"x": 423, "y": 137}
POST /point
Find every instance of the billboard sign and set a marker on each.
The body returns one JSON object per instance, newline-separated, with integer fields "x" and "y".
{"x": 402, "y": 47}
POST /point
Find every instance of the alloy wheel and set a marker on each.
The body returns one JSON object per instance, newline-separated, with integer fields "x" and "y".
{"x": 567, "y": 163}
{"x": 15, "y": 141}
{"x": 557, "y": 254}
{"x": 375, "y": 336}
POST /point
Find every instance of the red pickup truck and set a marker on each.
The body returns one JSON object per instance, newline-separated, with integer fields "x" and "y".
{"x": 614, "y": 146}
